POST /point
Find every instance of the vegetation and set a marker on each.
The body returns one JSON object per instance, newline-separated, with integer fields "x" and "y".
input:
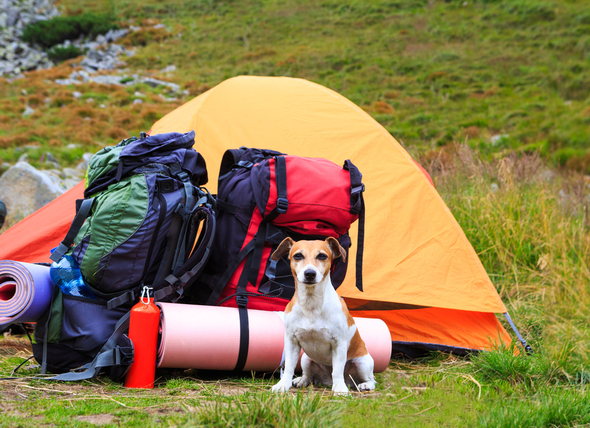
{"x": 491, "y": 97}
{"x": 61, "y": 28}
{"x": 60, "y": 54}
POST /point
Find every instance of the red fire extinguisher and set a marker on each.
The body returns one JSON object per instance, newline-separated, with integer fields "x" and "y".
{"x": 143, "y": 332}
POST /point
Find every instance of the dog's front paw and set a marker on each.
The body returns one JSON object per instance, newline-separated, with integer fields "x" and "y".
{"x": 301, "y": 382}
{"x": 340, "y": 388}
{"x": 366, "y": 386}
{"x": 281, "y": 387}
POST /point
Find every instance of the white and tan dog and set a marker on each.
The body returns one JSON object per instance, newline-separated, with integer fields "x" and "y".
{"x": 318, "y": 321}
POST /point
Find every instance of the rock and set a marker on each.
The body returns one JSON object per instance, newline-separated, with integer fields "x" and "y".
{"x": 154, "y": 83}
{"x": 168, "y": 69}
{"x": 15, "y": 55}
{"x": 24, "y": 189}
{"x": 50, "y": 160}
{"x": 28, "y": 111}
{"x": 113, "y": 35}
{"x": 83, "y": 166}
{"x": 495, "y": 139}
{"x": 73, "y": 173}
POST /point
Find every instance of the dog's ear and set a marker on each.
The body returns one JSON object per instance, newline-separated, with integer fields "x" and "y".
{"x": 284, "y": 248}
{"x": 336, "y": 248}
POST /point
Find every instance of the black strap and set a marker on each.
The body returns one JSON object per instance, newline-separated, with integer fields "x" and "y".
{"x": 229, "y": 271}
{"x": 281, "y": 181}
{"x": 109, "y": 355}
{"x": 357, "y": 206}
{"x": 280, "y": 208}
{"x": 182, "y": 278}
{"x": 77, "y": 223}
{"x": 244, "y": 338}
{"x": 242, "y": 301}
{"x": 46, "y": 334}
{"x": 360, "y": 247}
{"x": 126, "y": 297}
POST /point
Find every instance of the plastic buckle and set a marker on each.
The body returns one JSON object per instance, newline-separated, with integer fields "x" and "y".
{"x": 358, "y": 189}
{"x": 182, "y": 175}
{"x": 242, "y": 300}
{"x": 282, "y": 205}
{"x": 245, "y": 164}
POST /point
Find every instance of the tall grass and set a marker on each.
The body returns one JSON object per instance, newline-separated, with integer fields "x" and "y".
{"x": 549, "y": 408}
{"x": 530, "y": 227}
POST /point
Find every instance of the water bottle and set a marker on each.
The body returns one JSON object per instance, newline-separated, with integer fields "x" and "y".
{"x": 143, "y": 332}
{"x": 66, "y": 274}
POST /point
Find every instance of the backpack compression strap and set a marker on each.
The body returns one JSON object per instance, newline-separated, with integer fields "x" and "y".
{"x": 357, "y": 206}
{"x": 77, "y": 223}
{"x": 183, "y": 278}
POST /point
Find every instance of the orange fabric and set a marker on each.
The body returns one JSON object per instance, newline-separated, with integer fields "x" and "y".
{"x": 438, "y": 326}
{"x": 415, "y": 252}
{"x": 31, "y": 239}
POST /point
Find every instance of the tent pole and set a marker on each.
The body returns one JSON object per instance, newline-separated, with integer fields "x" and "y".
{"x": 525, "y": 345}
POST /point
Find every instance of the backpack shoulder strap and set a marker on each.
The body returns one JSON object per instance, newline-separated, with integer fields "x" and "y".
{"x": 173, "y": 286}
{"x": 77, "y": 223}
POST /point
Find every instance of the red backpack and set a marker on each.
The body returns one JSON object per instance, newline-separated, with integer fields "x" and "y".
{"x": 263, "y": 197}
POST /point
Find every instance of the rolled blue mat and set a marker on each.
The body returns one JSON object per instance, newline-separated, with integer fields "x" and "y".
{"x": 25, "y": 291}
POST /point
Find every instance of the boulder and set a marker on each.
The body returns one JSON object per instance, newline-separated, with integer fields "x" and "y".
{"x": 24, "y": 189}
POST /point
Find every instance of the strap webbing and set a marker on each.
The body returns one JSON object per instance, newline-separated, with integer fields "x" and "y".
{"x": 46, "y": 334}
{"x": 77, "y": 224}
{"x": 185, "y": 275}
{"x": 242, "y": 301}
{"x": 357, "y": 206}
{"x": 360, "y": 247}
{"x": 244, "y": 339}
{"x": 280, "y": 208}
{"x": 229, "y": 271}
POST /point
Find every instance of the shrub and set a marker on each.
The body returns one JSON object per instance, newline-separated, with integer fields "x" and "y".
{"x": 59, "y": 54}
{"x": 57, "y": 30}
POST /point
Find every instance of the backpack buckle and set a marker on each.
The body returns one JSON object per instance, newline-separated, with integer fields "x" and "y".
{"x": 357, "y": 189}
{"x": 182, "y": 175}
{"x": 282, "y": 205}
{"x": 245, "y": 164}
{"x": 242, "y": 300}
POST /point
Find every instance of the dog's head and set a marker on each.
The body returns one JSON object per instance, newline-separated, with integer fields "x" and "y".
{"x": 310, "y": 260}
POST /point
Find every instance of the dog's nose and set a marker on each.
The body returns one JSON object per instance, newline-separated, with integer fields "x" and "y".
{"x": 309, "y": 275}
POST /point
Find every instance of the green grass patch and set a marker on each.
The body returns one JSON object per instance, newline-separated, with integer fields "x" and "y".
{"x": 60, "y": 54}
{"x": 61, "y": 28}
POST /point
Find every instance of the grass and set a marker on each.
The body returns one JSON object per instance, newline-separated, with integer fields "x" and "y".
{"x": 433, "y": 73}
{"x": 443, "y": 78}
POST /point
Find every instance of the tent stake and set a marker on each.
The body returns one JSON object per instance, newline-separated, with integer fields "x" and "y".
{"x": 525, "y": 345}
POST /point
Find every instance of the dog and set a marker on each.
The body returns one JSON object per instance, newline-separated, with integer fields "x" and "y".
{"x": 317, "y": 320}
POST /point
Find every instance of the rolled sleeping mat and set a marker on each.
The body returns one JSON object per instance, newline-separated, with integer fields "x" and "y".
{"x": 208, "y": 338}
{"x": 25, "y": 291}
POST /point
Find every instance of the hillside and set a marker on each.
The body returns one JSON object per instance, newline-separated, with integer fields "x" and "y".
{"x": 504, "y": 75}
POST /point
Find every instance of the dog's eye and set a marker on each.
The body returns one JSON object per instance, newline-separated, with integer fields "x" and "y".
{"x": 298, "y": 256}
{"x": 321, "y": 256}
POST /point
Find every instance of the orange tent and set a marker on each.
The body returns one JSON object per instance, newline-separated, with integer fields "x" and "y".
{"x": 420, "y": 272}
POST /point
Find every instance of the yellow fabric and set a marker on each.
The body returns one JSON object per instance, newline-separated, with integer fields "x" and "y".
{"x": 415, "y": 251}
